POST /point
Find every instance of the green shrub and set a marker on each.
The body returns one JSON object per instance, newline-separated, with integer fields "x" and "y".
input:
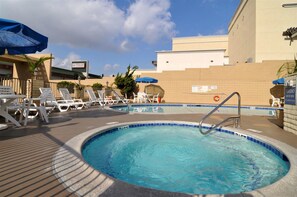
{"x": 126, "y": 83}
{"x": 97, "y": 86}
{"x": 66, "y": 84}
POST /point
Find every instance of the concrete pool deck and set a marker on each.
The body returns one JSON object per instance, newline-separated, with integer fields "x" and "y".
{"x": 26, "y": 153}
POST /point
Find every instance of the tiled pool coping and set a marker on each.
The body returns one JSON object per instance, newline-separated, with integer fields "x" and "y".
{"x": 113, "y": 107}
{"x": 78, "y": 176}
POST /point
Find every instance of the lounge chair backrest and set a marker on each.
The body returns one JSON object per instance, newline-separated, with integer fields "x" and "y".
{"x": 6, "y": 90}
{"x": 116, "y": 94}
{"x": 101, "y": 94}
{"x": 120, "y": 98}
{"x": 43, "y": 96}
{"x": 65, "y": 94}
{"x": 49, "y": 94}
{"x": 91, "y": 94}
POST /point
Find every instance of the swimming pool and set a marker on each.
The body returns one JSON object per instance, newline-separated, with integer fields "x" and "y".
{"x": 71, "y": 169}
{"x": 177, "y": 158}
{"x": 193, "y": 108}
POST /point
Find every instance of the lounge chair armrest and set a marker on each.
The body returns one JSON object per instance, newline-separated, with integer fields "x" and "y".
{"x": 77, "y": 100}
{"x": 61, "y": 101}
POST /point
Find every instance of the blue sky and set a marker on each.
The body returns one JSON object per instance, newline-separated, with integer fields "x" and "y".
{"x": 112, "y": 34}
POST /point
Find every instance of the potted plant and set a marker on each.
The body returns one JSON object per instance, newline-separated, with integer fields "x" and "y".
{"x": 79, "y": 90}
{"x": 288, "y": 68}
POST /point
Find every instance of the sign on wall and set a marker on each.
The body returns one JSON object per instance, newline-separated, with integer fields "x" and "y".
{"x": 290, "y": 95}
{"x": 290, "y": 90}
{"x": 80, "y": 66}
{"x": 203, "y": 89}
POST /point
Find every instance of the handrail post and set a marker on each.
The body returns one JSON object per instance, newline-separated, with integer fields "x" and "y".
{"x": 235, "y": 118}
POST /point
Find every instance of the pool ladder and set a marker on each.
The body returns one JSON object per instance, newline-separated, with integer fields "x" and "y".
{"x": 236, "y": 119}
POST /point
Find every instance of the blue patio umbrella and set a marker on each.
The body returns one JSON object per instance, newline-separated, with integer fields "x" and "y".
{"x": 17, "y": 38}
{"x": 146, "y": 80}
{"x": 279, "y": 81}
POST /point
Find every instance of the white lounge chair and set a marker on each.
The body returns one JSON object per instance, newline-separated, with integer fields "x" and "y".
{"x": 119, "y": 98}
{"x": 143, "y": 97}
{"x": 76, "y": 103}
{"x": 39, "y": 107}
{"x": 275, "y": 101}
{"x": 50, "y": 100}
{"x": 105, "y": 100}
{"x": 28, "y": 108}
{"x": 92, "y": 97}
{"x": 14, "y": 105}
{"x": 155, "y": 98}
{"x": 135, "y": 98}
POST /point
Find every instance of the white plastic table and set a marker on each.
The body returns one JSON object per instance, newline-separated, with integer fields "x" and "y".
{"x": 3, "y": 112}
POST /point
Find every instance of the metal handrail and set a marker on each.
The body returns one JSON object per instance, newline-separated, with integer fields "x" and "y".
{"x": 235, "y": 118}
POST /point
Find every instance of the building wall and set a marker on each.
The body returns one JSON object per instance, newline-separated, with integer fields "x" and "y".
{"x": 47, "y": 64}
{"x": 271, "y": 21}
{"x": 242, "y": 33}
{"x": 255, "y": 31}
{"x": 201, "y": 43}
{"x": 253, "y": 81}
{"x": 180, "y": 60}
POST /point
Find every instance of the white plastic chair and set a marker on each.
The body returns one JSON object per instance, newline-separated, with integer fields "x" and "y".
{"x": 31, "y": 105}
{"x": 51, "y": 101}
{"x": 143, "y": 97}
{"x": 135, "y": 98}
{"x": 120, "y": 99}
{"x": 155, "y": 98}
{"x": 103, "y": 99}
{"x": 92, "y": 97}
{"x": 76, "y": 103}
{"x": 15, "y": 105}
{"x": 275, "y": 101}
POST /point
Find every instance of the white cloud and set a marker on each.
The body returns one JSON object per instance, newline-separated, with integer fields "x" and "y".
{"x": 220, "y": 32}
{"x": 93, "y": 23}
{"x": 126, "y": 46}
{"x": 111, "y": 67}
{"x": 150, "y": 20}
{"x": 66, "y": 62}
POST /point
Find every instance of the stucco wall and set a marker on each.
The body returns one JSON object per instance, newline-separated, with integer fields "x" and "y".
{"x": 189, "y": 59}
{"x": 255, "y": 31}
{"x": 271, "y": 21}
{"x": 242, "y": 33}
{"x": 201, "y": 43}
{"x": 252, "y": 81}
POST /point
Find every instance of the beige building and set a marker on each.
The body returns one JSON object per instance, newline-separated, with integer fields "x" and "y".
{"x": 255, "y": 48}
{"x": 194, "y": 52}
{"x": 258, "y": 39}
{"x": 255, "y": 34}
{"x": 255, "y": 31}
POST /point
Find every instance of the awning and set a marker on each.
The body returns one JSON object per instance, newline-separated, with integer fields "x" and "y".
{"x": 279, "y": 81}
{"x": 146, "y": 80}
